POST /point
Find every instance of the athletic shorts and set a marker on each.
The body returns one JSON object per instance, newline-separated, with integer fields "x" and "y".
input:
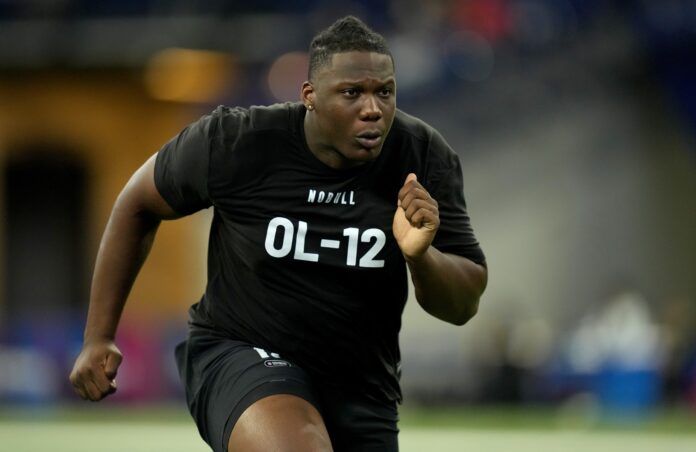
{"x": 223, "y": 377}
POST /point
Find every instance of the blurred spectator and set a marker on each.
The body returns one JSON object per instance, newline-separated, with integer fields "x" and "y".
{"x": 616, "y": 354}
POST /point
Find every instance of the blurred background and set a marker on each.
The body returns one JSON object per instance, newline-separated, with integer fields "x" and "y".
{"x": 575, "y": 121}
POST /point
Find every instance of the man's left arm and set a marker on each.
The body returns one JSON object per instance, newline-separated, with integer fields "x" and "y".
{"x": 447, "y": 286}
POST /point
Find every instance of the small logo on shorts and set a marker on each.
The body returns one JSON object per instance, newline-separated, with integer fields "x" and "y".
{"x": 276, "y": 363}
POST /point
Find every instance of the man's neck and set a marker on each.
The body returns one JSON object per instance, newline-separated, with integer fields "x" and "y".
{"x": 326, "y": 154}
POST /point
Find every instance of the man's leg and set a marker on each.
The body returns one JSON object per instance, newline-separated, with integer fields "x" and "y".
{"x": 280, "y": 423}
{"x": 244, "y": 398}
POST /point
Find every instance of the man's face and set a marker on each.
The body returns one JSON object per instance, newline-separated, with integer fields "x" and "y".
{"x": 354, "y": 99}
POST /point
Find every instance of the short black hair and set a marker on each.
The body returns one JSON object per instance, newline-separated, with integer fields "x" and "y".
{"x": 348, "y": 34}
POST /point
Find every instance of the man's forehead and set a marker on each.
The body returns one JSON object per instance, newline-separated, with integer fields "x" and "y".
{"x": 358, "y": 65}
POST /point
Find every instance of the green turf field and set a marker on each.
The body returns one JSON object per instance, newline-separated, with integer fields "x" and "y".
{"x": 91, "y": 428}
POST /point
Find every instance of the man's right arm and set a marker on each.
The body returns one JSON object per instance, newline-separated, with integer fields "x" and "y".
{"x": 126, "y": 242}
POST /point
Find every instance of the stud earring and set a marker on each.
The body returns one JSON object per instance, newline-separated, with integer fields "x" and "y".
{"x": 310, "y": 107}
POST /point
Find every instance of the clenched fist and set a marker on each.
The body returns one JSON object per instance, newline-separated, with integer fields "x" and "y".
{"x": 94, "y": 373}
{"x": 416, "y": 220}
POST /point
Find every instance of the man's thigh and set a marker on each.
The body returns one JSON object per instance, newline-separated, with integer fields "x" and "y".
{"x": 280, "y": 422}
{"x": 231, "y": 382}
{"x": 233, "y": 385}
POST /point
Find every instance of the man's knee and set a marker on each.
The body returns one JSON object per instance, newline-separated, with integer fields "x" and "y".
{"x": 283, "y": 423}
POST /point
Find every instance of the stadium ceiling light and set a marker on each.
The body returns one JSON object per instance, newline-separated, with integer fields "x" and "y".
{"x": 189, "y": 75}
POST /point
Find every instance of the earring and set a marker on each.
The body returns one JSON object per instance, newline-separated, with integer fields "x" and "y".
{"x": 310, "y": 107}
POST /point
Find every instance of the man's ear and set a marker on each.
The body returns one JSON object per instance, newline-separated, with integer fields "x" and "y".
{"x": 307, "y": 94}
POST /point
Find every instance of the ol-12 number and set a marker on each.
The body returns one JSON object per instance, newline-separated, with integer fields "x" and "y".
{"x": 367, "y": 260}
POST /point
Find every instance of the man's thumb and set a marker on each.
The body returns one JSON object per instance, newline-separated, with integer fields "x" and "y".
{"x": 113, "y": 360}
{"x": 411, "y": 177}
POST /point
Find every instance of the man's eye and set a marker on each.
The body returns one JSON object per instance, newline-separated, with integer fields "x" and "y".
{"x": 350, "y": 92}
{"x": 385, "y": 92}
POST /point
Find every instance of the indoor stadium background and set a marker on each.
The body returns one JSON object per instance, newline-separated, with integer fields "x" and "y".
{"x": 576, "y": 124}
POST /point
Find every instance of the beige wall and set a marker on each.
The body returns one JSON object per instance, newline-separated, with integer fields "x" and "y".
{"x": 109, "y": 119}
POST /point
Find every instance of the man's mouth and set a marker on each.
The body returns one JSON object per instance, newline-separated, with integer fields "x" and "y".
{"x": 369, "y": 139}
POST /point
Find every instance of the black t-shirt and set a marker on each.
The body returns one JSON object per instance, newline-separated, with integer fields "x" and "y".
{"x": 301, "y": 257}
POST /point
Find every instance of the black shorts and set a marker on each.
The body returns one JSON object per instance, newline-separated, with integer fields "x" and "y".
{"x": 223, "y": 377}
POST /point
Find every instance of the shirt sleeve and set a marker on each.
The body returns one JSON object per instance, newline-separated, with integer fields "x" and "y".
{"x": 455, "y": 235}
{"x": 181, "y": 167}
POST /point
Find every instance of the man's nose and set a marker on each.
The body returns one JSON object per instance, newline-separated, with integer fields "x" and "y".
{"x": 370, "y": 109}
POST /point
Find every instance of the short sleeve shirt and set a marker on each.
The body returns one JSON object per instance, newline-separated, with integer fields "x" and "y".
{"x": 301, "y": 256}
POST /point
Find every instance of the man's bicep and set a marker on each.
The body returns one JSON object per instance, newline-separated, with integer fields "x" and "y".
{"x": 141, "y": 193}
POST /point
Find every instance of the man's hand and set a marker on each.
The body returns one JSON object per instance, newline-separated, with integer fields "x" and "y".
{"x": 416, "y": 219}
{"x": 94, "y": 373}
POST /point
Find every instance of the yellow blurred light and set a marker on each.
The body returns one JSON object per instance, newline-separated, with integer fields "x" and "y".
{"x": 286, "y": 75}
{"x": 188, "y": 75}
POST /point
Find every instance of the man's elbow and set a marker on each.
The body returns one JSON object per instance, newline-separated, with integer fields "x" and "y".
{"x": 465, "y": 314}
{"x": 469, "y": 303}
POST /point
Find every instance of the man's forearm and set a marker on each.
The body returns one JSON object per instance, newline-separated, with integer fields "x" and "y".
{"x": 447, "y": 286}
{"x": 124, "y": 246}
